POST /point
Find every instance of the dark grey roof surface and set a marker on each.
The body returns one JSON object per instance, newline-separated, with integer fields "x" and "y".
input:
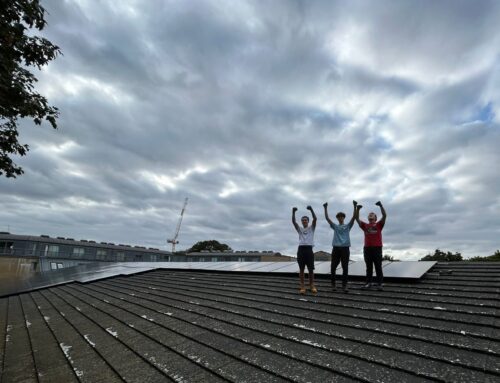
{"x": 182, "y": 325}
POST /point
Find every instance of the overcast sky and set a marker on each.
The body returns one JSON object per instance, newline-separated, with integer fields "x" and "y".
{"x": 250, "y": 108}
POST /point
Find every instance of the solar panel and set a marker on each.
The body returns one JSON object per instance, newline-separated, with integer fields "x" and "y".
{"x": 322, "y": 267}
{"x": 408, "y": 269}
{"x": 284, "y": 265}
{"x": 250, "y": 266}
{"x": 237, "y": 266}
{"x": 199, "y": 265}
{"x": 272, "y": 267}
{"x": 91, "y": 272}
{"x": 222, "y": 265}
{"x": 357, "y": 269}
{"x": 291, "y": 267}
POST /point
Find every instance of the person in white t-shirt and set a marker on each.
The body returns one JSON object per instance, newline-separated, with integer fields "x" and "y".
{"x": 305, "y": 255}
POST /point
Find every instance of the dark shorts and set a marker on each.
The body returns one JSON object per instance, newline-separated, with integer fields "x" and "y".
{"x": 305, "y": 257}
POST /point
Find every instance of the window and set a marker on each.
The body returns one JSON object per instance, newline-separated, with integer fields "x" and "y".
{"x": 56, "y": 265}
{"x": 51, "y": 250}
{"x": 120, "y": 256}
{"x": 6, "y": 247}
{"x": 214, "y": 259}
{"x": 101, "y": 255}
{"x": 31, "y": 249}
{"x": 153, "y": 257}
{"x": 78, "y": 252}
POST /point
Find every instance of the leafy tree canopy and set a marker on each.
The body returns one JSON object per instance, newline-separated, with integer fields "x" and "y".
{"x": 492, "y": 258}
{"x": 212, "y": 245}
{"x": 20, "y": 49}
{"x": 442, "y": 256}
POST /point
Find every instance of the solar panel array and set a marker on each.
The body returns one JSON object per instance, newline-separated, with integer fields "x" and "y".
{"x": 411, "y": 270}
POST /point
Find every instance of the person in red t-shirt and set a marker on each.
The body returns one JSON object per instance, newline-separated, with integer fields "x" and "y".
{"x": 372, "y": 250}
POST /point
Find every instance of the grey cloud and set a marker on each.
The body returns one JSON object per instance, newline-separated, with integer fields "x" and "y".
{"x": 248, "y": 110}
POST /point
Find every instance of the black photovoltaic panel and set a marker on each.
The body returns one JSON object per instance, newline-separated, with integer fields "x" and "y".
{"x": 92, "y": 272}
{"x": 322, "y": 267}
{"x": 407, "y": 269}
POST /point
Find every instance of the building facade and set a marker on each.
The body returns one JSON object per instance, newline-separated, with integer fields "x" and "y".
{"x": 55, "y": 253}
{"x": 43, "y": 253}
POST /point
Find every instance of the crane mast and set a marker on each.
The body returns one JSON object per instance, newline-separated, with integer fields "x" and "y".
{"x": 174, "y": 240}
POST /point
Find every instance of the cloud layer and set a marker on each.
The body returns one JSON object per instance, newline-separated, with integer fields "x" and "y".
{"x": 250, "y": 108}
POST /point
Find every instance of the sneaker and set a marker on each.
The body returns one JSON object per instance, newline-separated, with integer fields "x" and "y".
{"x": 302, "y": 291}
{"x": 314, "y": 290}
{"x": 367, "y": 286}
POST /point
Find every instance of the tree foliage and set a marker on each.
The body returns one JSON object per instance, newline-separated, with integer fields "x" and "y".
{"x": 212, "y": 245}
{"x": 492, "y": 258}
{"x": 19, "y": 50}
{"x": 441, "y": 256}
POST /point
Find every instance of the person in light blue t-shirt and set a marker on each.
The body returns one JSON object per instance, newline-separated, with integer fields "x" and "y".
{"x": 341, "y": 244}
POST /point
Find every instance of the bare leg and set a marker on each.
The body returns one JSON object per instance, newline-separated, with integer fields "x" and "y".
{"x": 301, "y": 278}
{"x": 311, "y": 278}
{"x": 311, "y": 282}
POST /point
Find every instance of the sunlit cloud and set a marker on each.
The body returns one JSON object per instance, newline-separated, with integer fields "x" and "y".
{"x": 250, "y": 108}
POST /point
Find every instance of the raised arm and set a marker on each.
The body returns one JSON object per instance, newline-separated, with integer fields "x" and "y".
{"x": 315, "y": 219}
{"x": 384, "y": 214}
{"x": 355, "y": 204}
{"x": 294, "y": 222}
{"x": 325, "y": 205}
{"x": 356, "y": 216}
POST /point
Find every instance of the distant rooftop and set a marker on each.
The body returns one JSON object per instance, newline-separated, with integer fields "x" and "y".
{"x": 71, "y": 241}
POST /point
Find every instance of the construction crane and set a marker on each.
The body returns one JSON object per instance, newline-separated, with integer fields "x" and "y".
{"x": 174, "y": 240}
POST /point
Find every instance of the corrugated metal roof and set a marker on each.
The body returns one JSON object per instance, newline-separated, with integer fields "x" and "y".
{"x": 184, "y": 325}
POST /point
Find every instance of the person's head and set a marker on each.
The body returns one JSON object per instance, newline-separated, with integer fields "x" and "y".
{"x": 305, "y": 220}
{"x": 372, "y": 217}
{"x": 340, "y": 217}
